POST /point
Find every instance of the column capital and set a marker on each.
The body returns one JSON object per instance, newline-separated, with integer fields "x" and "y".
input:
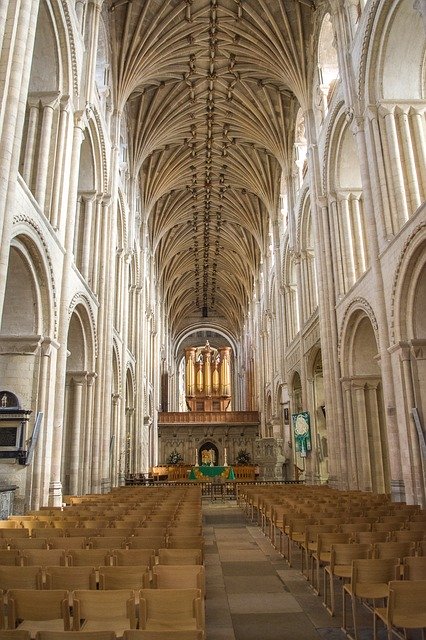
{"x": 115, "y": 397}
{"x": 78, "y": 377}
{"x": 48, "y": 346}
{"x": 91, "y": 377}
{"x": 88, "y": 196}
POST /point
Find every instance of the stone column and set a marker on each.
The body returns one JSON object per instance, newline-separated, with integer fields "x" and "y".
{"x": 87, "y": 248}
{"x": 100, "y": 391}
{"x": 88, "y": 434}
{"x": 379, "y": 305}
{"x": 92, "y": 33}
{"x": 42, "y": 454}
{"x": 57, "y": 187}
{"x": 401, "y": 212}
{"x": 49, "y": 103}
{"x": 360, "y": 252}
{"x": 363, "y": 447}
{"x": 347, "y": 241}
{"x": 33, "y": 117}
{"x": 97, "y": 242}
{"x": 348, "y": 424}
{"x": 380, "y": 192}
{"x": 115, "y": 434}
{"x": 55, "y": 482}
{"x": 417, "y": 121}
{"x": 75, "y": 424}
{"x": 410, "y": 168}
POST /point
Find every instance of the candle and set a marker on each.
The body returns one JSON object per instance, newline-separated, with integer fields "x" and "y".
{"x": 225, "y": 464}
{"x": 196, "y": 457}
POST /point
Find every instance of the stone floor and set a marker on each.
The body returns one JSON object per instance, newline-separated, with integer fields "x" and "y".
{"x": 252, "y": 593}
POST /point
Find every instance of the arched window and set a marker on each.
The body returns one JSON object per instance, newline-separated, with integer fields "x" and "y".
{"x": 327, "y": 69}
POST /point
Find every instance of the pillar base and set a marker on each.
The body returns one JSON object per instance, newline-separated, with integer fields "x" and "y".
{"x": 105, "y": 485}
{"x": 55, "y": 494}
{"x": 397, "y": 491}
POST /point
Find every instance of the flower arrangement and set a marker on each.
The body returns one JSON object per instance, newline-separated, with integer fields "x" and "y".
{"x": 243, "y": 457}
{"x": 175, "y": 457}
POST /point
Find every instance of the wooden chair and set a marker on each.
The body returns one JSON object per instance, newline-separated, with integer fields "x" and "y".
{"x": 369, "y": 581}
{"x": 110, "y": 542}
{"x": 322, "y": 555}
{"x": 15, "y": 634}
{"x": 51, "y": 533}
{"x": 185, "y": 542}
{"x": 407, "y": 536}
{"x": 77, "y": 542}
{"x": 28, "y": 543}
{"x": 97, "y": 610}
{"x": 310, "y": 544}
{"x": 128, "y": 557}
{"x": 142, "y": 542}
{"x": 123, "y": 577}
{"x": 88, "y": 557}
{"x": 75, "y": 635}
{"x": 178, "y": 577}
{"x": 340, "y": 566}
{"x": 413, "y": 568}
{"x": 70, "y": 578}
{"x": 9, "y": 557}
{"x": 393, "y": 550}
{"x": 143, "y": 634}
{"x": 354, "y": 527}
{"x": 180, "y": 556}
{"x": 171, "y": 609}
{"x": 43, "y": 557}
{"x": 94, "y": 524}
{"x": 370, "y": 537}
{"x": 37, "y": 610}
{"x": 20, "y": 577}
{"x": 405, "y": 608}
{"x": 4, "y": 543}
{"x": 10, "y": 534}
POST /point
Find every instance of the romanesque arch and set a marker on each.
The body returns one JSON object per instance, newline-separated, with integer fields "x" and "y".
{"x": 78, "y": 441}
{"x": 365, "y": 420}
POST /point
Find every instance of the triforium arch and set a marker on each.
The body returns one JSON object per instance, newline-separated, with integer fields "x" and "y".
{"x": 394, "y": 93}
{"x": 349, "y": 241}
{"x": 365, "y": 419}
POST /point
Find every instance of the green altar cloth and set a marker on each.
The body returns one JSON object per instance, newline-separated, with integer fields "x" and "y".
{"x": 205, "y": 471}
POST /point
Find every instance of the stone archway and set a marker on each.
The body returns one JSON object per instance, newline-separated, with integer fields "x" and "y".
{"x": 365, "y": 422}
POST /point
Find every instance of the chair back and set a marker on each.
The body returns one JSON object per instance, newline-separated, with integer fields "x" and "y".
{"x": 406, "y": 604}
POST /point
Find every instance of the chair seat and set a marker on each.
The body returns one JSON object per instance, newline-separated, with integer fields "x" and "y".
{"x": 118, "y": 625}
{"x": 369, "y": 591}
{"x": 154, "y": 624}
{"x": 41, "y": 625}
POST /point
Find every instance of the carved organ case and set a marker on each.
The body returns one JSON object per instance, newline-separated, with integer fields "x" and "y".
{"x": 208, "y": 378}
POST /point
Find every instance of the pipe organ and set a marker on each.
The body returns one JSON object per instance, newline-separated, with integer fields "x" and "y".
{"x": 208, "y": 378}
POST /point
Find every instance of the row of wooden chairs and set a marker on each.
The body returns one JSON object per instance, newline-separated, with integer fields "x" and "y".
{"x": 94, "y": 557}
{"x": 369, "y": 582}
{"x": 116, "y": 610}
{"x": 129, "y": 634}
{"x": 104, "y": 577}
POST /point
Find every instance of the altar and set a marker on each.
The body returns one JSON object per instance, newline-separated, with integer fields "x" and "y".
{"x": 214, "y": 473}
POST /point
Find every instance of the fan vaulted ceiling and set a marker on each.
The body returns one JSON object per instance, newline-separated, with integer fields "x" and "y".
{"x": 209, "y": 87}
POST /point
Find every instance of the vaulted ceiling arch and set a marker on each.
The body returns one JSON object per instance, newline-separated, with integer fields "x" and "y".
{"x": 209, "y": 88}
